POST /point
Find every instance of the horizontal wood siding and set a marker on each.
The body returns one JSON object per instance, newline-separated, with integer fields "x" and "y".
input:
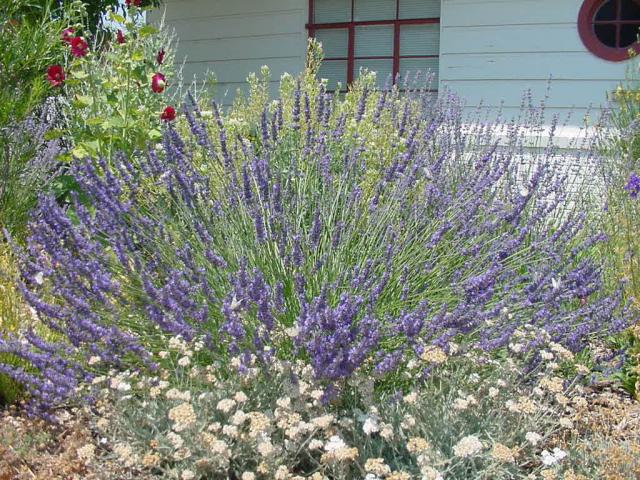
{"x": 232, "y": 38}
{"x": 493, "y": 50}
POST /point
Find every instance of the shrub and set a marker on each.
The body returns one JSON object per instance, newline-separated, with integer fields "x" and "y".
{"x": 25, "y": 118}
{"x": 29, "y": 165}
{"x": 475, "y": 418}
{"x": 26, "y": 52}
{"x": 115, "y": 103}
{"x": 355, "y": 234}
{"x": 619, "y": 169}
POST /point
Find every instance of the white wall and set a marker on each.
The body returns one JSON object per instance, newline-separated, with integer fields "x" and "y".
{"x": 233, "y": 38}
{"x": 492, "y": 50}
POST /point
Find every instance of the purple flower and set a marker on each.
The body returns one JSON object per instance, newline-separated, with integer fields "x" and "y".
{"x": 633, "y": 185}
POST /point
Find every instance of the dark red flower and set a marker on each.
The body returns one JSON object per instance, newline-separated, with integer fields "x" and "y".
{"x": 55, "y": 75}
{"x": 160, "y": 57}
{"x": 168, "y": 114}
{"x": 120, "y": 37}
{"x": 158, "y": 83}
{"x": 67, "y": 35}
{"x": 79, "y": 48}
{"x": 136, "y": 3}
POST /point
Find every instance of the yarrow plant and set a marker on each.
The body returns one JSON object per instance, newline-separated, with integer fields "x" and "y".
{"x": 477, "y": 418}
{"x": 310, "y": 241}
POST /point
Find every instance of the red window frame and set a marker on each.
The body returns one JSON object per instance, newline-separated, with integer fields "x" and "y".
{"x": 397, "y": 23}
{"x": 586, "y": 29}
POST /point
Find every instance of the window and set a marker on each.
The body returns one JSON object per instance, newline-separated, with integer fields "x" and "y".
{"x": 392, "y": 37}
{"x": 609, "y": 28}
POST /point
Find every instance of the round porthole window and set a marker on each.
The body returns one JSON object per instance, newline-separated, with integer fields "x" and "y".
{"x": 609, "y": 28}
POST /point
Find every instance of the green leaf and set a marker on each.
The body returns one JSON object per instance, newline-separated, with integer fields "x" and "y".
{"x": 116, "y": 18}
{"x": 79, "y": 74}
{"x": 137, "y": 56}
{"x": 93, "y": 146}
{"x": 147, "y": 30}
{"x": 95, "y": 121}
{"x": 82, "y": 101}
{"x": 155, "y": 134}
{"x": 62, "y": 185}
{"x": 86, "y": 149}
{"x": 79, "y": 152}
{"x": 115, "y": 121}
{"x": 53, "y": 134}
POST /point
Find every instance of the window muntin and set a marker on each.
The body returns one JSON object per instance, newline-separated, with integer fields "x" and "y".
{"x": 391, "y": 37}
{"x": 608, "y": 28}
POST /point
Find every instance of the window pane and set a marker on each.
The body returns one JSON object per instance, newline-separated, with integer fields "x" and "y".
{"x": 374, "y": 10}
{"x": 382, "y": 67}
{"x": 334, "y": 71}
{"x": 628, "y": 35}
{"x": 606, "y": 34}
{"x": 425, "y": 68}
{"x": 330, "y": 11}
{"x": 630, "y": 10}
{"x": 374, "y": 41}
{"x": 420, "y": 39}
{"x": 607, "y": 11}
{"x": 334, "y": 41}
{"x": 419, "y": 9}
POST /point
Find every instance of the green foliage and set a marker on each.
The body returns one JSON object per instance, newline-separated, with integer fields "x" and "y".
{"x": 33, "y": 9}
{"x": 29, "y": 35}
{"x": 12, "y": 316}
{"x": 30, "y": 43}
{"x": 620, "y": 142}
{"x": 104, "y": 105}
{"x": 111, "y": 107}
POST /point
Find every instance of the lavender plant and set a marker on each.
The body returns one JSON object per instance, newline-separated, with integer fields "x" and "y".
{"x": 357, "y": 234}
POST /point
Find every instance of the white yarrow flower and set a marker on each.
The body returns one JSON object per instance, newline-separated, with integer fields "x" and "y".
{"x": 370, "y": 426}
{"x": 551, "y": 458}
{"x": 533, "y": 438}
{"x": 334, "y": 443}
{"x": 469, "y": 446}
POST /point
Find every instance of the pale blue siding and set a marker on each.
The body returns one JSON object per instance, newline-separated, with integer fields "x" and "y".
{"x": 492, "y": 50}
{"x": 233, "y": 38}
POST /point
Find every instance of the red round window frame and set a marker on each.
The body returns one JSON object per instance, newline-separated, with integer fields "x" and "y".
{"x": 592, "y": 42}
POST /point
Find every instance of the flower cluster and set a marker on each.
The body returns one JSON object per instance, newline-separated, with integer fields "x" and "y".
{"x": 633, "y": 185}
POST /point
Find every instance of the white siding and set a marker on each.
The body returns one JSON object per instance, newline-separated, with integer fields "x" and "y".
{"x": 490, "y": 50}
{"x": 233, "y": 38}
{"x": 493, "y": 50}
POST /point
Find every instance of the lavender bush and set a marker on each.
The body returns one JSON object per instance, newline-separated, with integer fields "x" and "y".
{"x": 357, "y": 234}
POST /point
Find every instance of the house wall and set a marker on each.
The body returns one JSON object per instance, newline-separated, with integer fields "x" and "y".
{"x": 492, "y": 50}
{"x": 233, "y": 38}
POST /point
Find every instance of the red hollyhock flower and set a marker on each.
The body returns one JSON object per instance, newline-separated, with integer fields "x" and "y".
{"x": 136, "y": 3}
{"x": 79, "y": 48}
{"x": 120, "y": 37}
{"x": 158, "y": 83}
{"x": 160, "y": 57}
{"x": 55, "y": 75}
{"x": 67, "y": 35}
{"x": 168, "y": 114}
